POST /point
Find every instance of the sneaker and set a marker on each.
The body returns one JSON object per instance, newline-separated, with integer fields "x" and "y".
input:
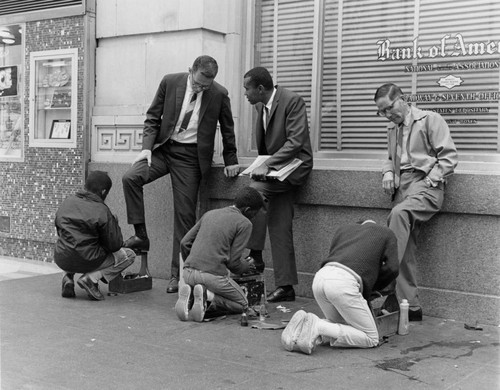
{"x": 182, "y": 305}
{"x": 309, "y": 336}
{"x": 68, "y": 287}
{"x": 197, "y": 312}
{"x": 292, "y": 331}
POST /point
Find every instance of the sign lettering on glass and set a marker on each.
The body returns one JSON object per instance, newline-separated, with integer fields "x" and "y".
{"x": 457, "y": 63}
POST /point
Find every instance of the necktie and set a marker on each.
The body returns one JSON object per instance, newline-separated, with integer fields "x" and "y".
{"x": 262, "y": 147}
{"x": 399, "y": 151}
{"x": 265, "y": 117}
{"x": 189, "y": 112}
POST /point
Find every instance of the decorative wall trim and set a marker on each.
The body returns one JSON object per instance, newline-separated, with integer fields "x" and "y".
{"x": 116, "y": 138}
{"x": 119, "y": 139}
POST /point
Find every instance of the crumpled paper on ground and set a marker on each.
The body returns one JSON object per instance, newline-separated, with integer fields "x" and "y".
{"x": 266, "y": 325}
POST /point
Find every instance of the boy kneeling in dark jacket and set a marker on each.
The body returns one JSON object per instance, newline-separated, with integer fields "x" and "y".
{"x": 89, "y": 239}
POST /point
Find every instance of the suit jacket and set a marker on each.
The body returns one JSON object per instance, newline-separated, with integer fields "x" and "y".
{"x": 163, "y": 114}
{"x": 287, "y": 135}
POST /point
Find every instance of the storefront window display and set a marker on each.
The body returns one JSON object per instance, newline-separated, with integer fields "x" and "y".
{"x": 53, "y": 103}
{"x": 11, "y": 118}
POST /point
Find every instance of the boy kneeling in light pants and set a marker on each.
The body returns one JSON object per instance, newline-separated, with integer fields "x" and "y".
{"x": 363, "y": 257}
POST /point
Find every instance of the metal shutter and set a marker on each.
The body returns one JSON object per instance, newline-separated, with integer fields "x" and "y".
{"x": 350, "y": 70}
{"x": 351, "y": 64}
{"x": 476, "y": 21}
{"x": 9, "y": 7}
{"x": 285, "y": 44}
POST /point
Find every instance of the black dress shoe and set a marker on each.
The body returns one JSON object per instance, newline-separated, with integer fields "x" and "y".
{"x": 68, "y": 287}
{"x": 173, "y": 285}
{"x": 415, "y": 314}
{"x": 259, "y": 265}
{"x": 281, "y": 294}
{"x": 92, "y": 288}
{"x": 137, "y": 244}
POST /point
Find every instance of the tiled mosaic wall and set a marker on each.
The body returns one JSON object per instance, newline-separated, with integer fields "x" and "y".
{"x": 31, "y": 191}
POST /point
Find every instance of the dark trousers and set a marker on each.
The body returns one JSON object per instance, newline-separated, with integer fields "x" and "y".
{"x": 181, "y": 162}
{"x": 277, "y": 215}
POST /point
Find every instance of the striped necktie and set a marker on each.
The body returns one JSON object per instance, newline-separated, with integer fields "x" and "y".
{"x": 399, "y": 151}
{"x": 189, "y": 112}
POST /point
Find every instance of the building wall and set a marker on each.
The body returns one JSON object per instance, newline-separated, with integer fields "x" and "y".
{"x": 459, "y": 252}
{"x": 32, "y": 190}
{"x": 459, "y": 249}
{"x": 134, "y": 53}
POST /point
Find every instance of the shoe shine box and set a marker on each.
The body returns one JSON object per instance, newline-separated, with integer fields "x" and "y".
{"x": 252, "y": 285}
{"x": 133, "y": 282}
{"x": 386, "y": 320}
{"x": 130, "y": 283}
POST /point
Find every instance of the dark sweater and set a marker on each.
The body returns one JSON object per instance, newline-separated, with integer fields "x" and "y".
{"x": 216, "y": 243}
{"x": 370, "y": 250}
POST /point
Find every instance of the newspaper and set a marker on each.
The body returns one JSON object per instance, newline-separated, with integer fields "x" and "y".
{"x": 280, "y": 175}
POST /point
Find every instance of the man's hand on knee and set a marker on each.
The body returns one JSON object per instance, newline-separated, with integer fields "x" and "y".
{"x": 388, "y": 183}
{"x": 143, "y": 155}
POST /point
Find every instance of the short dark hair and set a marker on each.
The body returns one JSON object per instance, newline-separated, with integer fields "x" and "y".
{"x": 98, "y": 181}
{"x": 260, "y": 76}
{"x": 207, "y": 66}
{"x": 390, "y": 90}
{"x": 248, "y": 197}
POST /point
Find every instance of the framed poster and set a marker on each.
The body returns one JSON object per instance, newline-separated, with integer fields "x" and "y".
{"x": 61, "y": 129}
{"x": 8, "y": 81}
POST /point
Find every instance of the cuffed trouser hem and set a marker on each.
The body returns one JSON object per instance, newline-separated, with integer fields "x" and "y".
{"x": 114, "y": 264}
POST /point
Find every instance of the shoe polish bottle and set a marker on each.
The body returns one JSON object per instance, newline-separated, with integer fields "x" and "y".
{"x": 403, "y": 327}
{"x": 244, "y": 319}
{"x": 262, "y": 308}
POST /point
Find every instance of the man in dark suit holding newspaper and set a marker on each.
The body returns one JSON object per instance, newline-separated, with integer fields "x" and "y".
{"x": 282, "y": 131}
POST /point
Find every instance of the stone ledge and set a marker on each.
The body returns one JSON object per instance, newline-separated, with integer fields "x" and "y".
{"x": 466, "y": 193}
{"x": 461, "y": 306}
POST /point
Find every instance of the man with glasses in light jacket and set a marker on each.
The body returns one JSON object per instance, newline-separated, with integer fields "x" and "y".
{"x": 421, "y": 156}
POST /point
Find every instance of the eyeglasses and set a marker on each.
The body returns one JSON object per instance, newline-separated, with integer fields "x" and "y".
{"x": 198, "y": 85}
{"x": 388, "y": 108}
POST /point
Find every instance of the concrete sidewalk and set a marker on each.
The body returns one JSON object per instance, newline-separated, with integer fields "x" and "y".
{"x": 135, "y": 341}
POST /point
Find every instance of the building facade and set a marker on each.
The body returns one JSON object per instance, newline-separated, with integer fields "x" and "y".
{"x": 445, "y": 57}
{"x": 44, "y": 117}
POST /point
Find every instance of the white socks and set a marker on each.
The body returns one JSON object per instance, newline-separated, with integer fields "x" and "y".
{"x": 95, "y": 276}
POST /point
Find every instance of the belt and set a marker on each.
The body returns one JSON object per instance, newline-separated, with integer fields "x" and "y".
{"x": 175, "y": 143}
